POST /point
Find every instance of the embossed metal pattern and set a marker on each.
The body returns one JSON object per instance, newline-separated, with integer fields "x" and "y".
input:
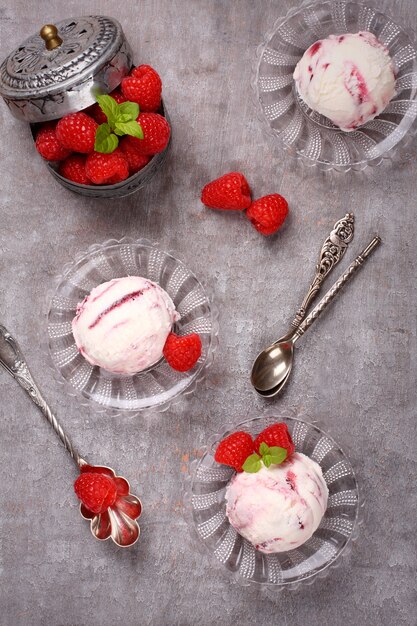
{"x": 337, "y": 287}
{"x": 12, "y": 360}
{"x": 39, "y": 84}
{"x": 331, "y": 253}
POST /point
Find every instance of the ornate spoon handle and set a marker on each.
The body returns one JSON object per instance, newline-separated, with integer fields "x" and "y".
{"x": 11, "y": 358}
{"x": 339, "y": 284}
{"x": 331, "y": 252}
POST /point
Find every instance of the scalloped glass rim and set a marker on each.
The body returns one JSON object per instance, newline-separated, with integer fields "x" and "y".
{"x": 125, "y": 405}
{"x": 255, "y": 425}
{"x": 319, "y": 128}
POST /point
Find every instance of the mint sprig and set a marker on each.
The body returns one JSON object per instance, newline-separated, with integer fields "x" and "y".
{"x": 121, "y": 120}
{"x": 273, "y": 455}
{"x": 252, "y": 464}
{"x": 105, "y": 141}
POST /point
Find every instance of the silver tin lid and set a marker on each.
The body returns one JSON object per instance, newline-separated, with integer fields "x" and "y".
{"x": 60, "y": 72}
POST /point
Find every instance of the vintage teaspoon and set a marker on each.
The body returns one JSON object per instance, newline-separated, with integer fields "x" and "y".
{"x": 118, "y": 521}
{"x": 273, "y": 365}
{"x": 332, "y": 251}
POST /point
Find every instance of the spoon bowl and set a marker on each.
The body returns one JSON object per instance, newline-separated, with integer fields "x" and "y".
{"x": 273, "y": 365}
{"x": 270, "y": 393}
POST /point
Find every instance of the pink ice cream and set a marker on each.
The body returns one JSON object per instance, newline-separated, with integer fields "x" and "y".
{"x": 348, "y": 78}
{"x": 279, "y": 508}
{"x": 123, "y": 324}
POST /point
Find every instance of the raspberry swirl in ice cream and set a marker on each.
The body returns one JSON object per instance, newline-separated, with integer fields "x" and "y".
{"x": 122, "y": 325}
{"x": 348, "y": 78}
{"x": 280, "y": 507}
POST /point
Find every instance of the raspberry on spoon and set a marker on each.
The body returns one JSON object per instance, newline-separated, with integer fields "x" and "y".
{"x": 96, "y": 491}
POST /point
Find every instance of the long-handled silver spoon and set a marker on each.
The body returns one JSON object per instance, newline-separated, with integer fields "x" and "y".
{"x": 273, "y": 365}
{"x": 332, "y": 251}
{"x": 118, "y": 521}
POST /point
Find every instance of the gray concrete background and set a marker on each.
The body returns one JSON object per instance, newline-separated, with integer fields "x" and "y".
{"x": 355, "y": 372}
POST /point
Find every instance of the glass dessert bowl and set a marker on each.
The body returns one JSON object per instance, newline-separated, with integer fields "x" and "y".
{"x": 206, "y": 504}
{"x": 303, "y": 132}
{"x": 159, "y": 384}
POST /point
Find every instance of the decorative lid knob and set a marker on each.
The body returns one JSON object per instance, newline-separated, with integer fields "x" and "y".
{"x": 49, "y": 34}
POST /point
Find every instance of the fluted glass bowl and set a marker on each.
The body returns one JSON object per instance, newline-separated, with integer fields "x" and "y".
{"x": 157, "y": 386}
{"x": 205, "y": 500}
{"x": 308, "y": 135}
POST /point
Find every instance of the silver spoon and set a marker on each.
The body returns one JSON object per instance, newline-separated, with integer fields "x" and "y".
{"x": 332, "y": 251}
{"x": 118, "y": 522}
{"x": 273, "y": 365}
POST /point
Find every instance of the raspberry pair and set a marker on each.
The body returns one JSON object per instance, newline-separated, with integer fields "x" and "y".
{"x": 232, "y": 192}
{"x": 272, "y": 446}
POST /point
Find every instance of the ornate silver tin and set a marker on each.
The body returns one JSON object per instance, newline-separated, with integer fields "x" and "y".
{"x": 88, "y": 54}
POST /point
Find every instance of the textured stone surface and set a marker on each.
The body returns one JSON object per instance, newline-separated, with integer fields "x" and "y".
{"x": 355, "y": 371}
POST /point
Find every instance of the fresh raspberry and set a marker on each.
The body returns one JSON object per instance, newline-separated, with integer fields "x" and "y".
{"x": 77, "y": 131}
{"x": 276, "y": 435}
{"x": 96, "y": 491}
{"x": 118, "y": 96}
{"x": 95, "y": 111}
{"x": 234, "y": 450}
{"x": 267, "y": 214}
{"x": 182, "y": 353}
{"x": 135, "y": 160}
{"x": 143, "y": 86}
{"x": 156, "y": 133}
{"x": 48, "y": 145}
{"x": 73, "y": 168}
{"x": 228, "y": 192}
{"x": 106, "y": 169}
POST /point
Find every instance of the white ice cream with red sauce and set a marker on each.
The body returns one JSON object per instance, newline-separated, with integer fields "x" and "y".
{"x": 280, "y": 507}
{"x": 348, "y": 78}
{"x": 122, "y": 325}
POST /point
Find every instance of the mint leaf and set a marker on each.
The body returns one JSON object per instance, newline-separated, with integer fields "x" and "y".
{"x": 109, "y": 107}
{"x": 127, "y": 112}
{"x": 263, "y": 449}
{"x": 129, "y": 128}
{"x": 267, "y": 459}
{"x": 105, "y": 141}
{"x": 252, "y": 464}
{"x": 278, "y": 455}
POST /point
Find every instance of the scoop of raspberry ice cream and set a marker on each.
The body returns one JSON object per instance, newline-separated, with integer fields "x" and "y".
{"x": 280, "y": 507}
{"x": 122, "y": 325}
{"x": 348, "y": 78}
